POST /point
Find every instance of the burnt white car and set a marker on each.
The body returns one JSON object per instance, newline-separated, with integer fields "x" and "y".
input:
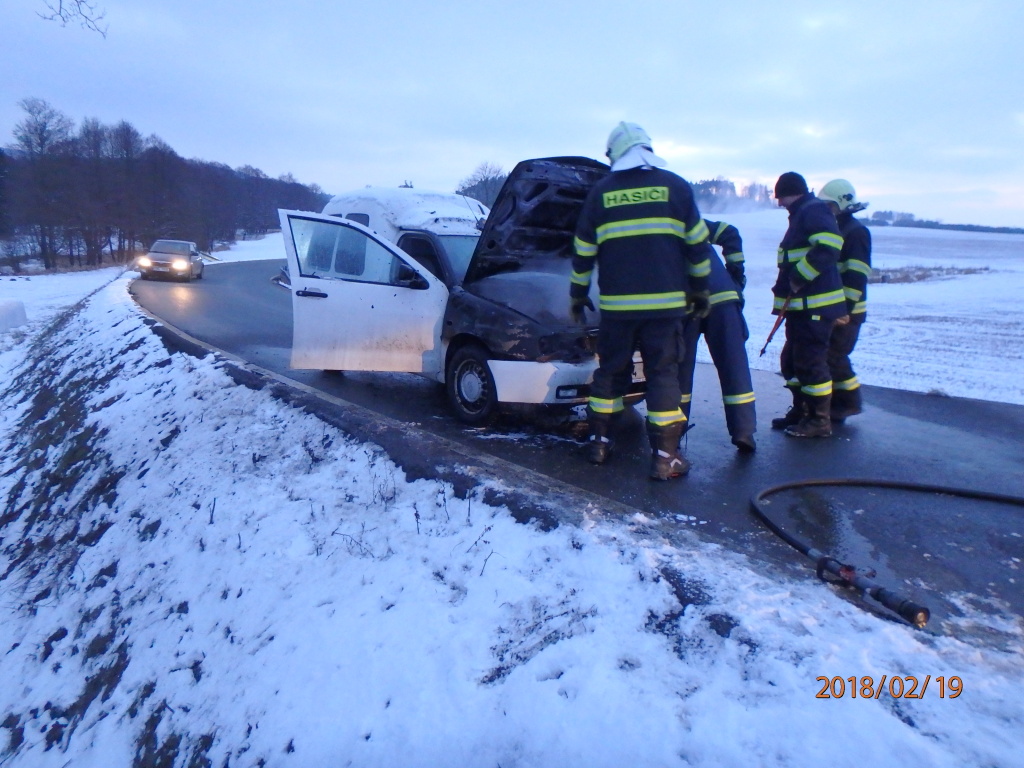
{"x": 494, "y": 326}
{"x": 179, "y": 259}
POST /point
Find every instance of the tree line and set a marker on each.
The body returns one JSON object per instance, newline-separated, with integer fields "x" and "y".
{"x": 900, "y": 219}
{"x": 712, "y": 195}
{"x": 79, "y": 195}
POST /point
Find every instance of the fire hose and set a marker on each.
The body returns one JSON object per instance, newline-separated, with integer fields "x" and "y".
{"x": 850, "y": 575}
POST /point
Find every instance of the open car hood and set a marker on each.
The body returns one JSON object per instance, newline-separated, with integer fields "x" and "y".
{"x": 532, "y": 222}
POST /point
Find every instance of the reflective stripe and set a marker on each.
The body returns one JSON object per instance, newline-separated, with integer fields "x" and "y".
{"x": 701, "y": 268}
{"x": 671, "y": 300}
{"x": 600, "y": 405}
{"x": 793, "y": 383}
{"x": 817, "y": 390}
{"x": 583, "y": 248}
{"x": 722, "y": 226}
{"x": 859, "y": 308}
{"x": 652, "y": 226}
{"x": 664, "y": 418}
{"x": 581, "y": 278}
{"x": 685, "y": 399}
{"x": 746, "y": 397}
{"x": 853, "y": 265}
{"x": 848, "y": 385}
{"x": 825, "y": 299}
{"x": 811, "y": 302}
{"x": 827, "y": 239}
{"x": 733, "y": 258}
{"x": 796, "y": 254}
{"x": 806, "y": 270}
{"x": 698, "y": 234}
{"x": 852, "y": 294}
{"x": 723, "y": 296}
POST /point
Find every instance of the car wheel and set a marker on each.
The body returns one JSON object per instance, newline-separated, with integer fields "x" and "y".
{"x": 200, "y": 275}
{"x": 470, "y": 386}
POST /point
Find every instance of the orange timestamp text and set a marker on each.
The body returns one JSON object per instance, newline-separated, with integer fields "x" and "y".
{"x": 897, "y": 686}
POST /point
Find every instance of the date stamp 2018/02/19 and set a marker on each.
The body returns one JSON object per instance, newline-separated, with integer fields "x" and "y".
{"x": 897, "y": 686}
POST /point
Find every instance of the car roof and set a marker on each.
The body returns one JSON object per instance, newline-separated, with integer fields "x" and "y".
{"x": 392, "y": 209}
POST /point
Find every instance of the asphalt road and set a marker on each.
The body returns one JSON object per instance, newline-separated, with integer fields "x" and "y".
{"x": 954, "y": 555}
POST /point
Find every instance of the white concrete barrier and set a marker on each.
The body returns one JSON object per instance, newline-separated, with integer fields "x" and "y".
{"x": 12, "y": 314}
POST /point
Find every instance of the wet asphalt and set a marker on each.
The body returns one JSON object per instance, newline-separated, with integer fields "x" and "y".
{"x": 961, "y": 557}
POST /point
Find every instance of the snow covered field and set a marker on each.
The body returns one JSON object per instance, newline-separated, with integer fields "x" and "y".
{"x": 193, "y": 573}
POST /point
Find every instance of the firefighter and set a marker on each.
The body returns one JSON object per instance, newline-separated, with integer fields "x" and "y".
{"x": 725, "y": 333}
{"x": 809, "y": 292}
{"x": 641, "y": 228}
{"x": 854, "y": 269}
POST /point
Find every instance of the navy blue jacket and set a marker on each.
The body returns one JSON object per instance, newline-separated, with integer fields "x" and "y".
{"x": 641, "y": 227}
{"x": 808, "y": 262}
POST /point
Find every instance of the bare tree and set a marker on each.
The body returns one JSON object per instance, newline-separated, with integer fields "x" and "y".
{"x": 126, "y": 147}
{"x": 44, "y": 136}
{"x": 43, "y": 127}
{"x": 85, "y": 13}
{"x": 483, "y": 184}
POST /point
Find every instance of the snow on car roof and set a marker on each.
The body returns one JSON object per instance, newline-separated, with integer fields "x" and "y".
{"x": 405, "y": 208}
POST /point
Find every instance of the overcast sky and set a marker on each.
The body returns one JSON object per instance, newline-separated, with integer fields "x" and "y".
{"x": 919, "y": 104}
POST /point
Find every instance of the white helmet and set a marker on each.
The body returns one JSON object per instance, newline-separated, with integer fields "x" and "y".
{"x": 623, "y": 138}
{"x": 842, "y": 193}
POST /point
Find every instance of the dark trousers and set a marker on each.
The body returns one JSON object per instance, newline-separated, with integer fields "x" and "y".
{"x": 660, "y": 342}
{"x": 840, "y": 347}
{"x": 804, "y": 358}
{"x": 725, "y": 333}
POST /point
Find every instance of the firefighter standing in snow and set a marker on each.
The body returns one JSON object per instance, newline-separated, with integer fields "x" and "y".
{"x": 641, "y": 227}
{"x": 810, "y": 294}
{"x": 725, "y": 333}
{"x": 854, "y": 269}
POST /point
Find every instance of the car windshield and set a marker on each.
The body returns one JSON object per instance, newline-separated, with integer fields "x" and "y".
{"x": 171, "y": 246}
{"x": 460, "y": 250}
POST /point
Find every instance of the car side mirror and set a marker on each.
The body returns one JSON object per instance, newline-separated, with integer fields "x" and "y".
{"x": 410, "y": 278}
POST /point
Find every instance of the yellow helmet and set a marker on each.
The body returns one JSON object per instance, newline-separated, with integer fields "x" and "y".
{"x": 842, "y": 193}
{"x": 623, "y": 138}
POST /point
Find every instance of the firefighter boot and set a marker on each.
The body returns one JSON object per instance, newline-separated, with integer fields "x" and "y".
{"x": 599, "y": 444}
{"x": 845, "y": 403}
{"x": 666, "y": 461}
{"x": 795, "y": 413}
{"x": 817, "y": 422}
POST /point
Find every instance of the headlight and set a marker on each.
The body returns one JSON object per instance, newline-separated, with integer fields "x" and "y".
{"x": 179, "y": 264}
{"x": 145, "y": 261}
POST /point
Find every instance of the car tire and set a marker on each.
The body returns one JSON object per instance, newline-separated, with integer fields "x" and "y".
{"x": 200, "y": 275}
{"x": 470, "y": 386}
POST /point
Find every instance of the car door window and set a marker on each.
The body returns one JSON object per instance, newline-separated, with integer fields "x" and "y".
{"x": 328, "y": 249}
{"x": 421, "y": 249}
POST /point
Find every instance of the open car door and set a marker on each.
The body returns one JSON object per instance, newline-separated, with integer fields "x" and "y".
{"x": 358, "y": 302}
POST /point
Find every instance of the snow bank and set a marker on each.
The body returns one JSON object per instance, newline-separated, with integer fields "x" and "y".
{"x": 12, "y": 315}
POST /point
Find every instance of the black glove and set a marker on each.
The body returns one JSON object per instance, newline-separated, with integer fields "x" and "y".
{"x": 699, "y": 304}
{"x": 576, "y": 307}
{"x": 736, "y": 273}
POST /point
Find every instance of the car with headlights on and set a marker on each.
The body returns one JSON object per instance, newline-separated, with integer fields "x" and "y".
{"x": 180, "y": 259}
{"x": 480, "y": 306}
